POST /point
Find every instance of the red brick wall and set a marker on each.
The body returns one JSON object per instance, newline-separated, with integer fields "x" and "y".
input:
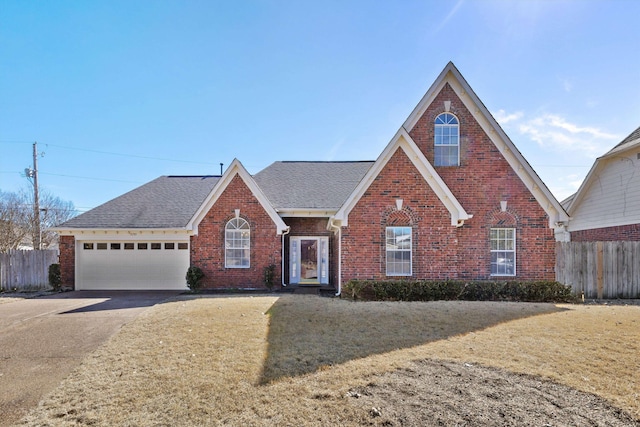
{"x": 435, "y": 241}
{"x": 482, "y": 180}
{"x": 629, "y": 232}
{"x": 207, "y": 248}
{"x": 68, "y": 261}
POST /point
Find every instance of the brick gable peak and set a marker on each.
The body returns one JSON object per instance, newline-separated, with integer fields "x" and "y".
{"x": 402, "y": 141}
{"x": 558, "y": 217}
{"x": 237, "y": 169}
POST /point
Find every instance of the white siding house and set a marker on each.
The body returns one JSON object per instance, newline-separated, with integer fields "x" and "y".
{"x": 610, "y": 194}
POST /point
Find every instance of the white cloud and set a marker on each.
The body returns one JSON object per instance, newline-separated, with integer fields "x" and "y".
{"x": 503, "y": 117}
{"x": 553, "y": 132}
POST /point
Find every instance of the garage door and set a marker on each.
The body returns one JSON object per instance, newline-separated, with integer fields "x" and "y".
{"x": 139, "y": 265}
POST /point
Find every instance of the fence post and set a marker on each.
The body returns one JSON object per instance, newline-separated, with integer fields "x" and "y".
{"x": 600, "y": 268}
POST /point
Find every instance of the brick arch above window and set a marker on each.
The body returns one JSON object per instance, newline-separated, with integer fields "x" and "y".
{"x": 404, "y": 217}
{"x": 499, "y": 218}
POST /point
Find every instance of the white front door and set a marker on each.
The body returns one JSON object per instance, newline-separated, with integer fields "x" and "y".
{"x": 309, "y": 260}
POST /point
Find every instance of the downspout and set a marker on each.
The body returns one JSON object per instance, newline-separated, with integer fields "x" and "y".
{"x": 284, "y": 285}
{"x": 337, "y": 228}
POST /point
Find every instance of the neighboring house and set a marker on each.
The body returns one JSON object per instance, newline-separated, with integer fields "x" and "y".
{"x": 606, "y": 207}
{"x": 450, "y": 197}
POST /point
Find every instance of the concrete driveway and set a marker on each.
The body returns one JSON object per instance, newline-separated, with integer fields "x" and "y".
{"x": 43, "y": 339}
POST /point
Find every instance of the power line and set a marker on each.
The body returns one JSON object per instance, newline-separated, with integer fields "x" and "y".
{"x": 90, "y": 178}
{"x": 135, "y": 156}
{"x": 76, "y": 177}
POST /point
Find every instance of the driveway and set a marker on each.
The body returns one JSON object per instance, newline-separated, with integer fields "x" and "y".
{"x": 43, "y": 339}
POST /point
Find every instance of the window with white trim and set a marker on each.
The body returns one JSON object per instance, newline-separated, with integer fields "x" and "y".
{"x": 503, "y": 251}
{"x": 446, "y": 140}
{"x": 237, "y": 240}
{"x": 398, "y": 243}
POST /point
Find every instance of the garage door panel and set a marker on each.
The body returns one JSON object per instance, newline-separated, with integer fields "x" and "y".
{"x": 118, "y": 269}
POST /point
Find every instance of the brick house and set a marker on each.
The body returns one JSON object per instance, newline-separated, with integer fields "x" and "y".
{"x": 606, "y": 207}
{"x": 449, "y": 197}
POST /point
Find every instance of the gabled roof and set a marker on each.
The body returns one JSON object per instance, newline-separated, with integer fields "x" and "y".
{"x": 631, "y": 142}
{"x": 402, "y": 141}
{"x": 236, "y": 168}
{"x": 310, "y": 185}
{"x": 165, "y": 202}
{"x": 525, "y": 172}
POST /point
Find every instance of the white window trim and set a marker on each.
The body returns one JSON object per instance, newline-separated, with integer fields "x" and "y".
{"x": 410, "y": 250}
{"x": 513, "y": 230}
{"x": 446, "y": 145}
{"x": 226, "y": 264}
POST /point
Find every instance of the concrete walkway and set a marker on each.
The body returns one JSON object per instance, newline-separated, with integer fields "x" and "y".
{"x": 43, "y": 339}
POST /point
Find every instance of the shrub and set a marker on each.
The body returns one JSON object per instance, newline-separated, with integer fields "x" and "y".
{"x": 427, "y": 290}
{"x": 268, "y": 275}
{"x": 55, "y": 277}
{"x": 194, "y": 276}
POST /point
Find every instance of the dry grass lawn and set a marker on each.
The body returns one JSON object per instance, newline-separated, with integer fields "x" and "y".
{"x": 300, "y": 360}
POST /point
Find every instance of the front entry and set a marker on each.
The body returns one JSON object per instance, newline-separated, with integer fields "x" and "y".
{"x": 309, "y": 260}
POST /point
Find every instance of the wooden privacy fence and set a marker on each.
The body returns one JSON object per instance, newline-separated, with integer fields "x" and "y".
{"x": 26, "y": 270}
{"x": 600, "y": 269}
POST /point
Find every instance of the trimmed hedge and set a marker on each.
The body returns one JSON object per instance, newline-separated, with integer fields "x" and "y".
{"x": 427, "y": 290}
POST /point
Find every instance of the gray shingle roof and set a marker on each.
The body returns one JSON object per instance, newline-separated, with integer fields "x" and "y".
{"x": 312, "y": 185}
{"x": 634, "y": 136}
{"x": 165, "y": 202}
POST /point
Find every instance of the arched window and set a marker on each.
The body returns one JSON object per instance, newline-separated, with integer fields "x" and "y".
{"x": 446, "y": 140}
{"x": 237, "y": 240}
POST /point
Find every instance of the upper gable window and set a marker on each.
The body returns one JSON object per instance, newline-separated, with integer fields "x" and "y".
{"x": 237, "y": 239}
{"x": 446, "y": 140}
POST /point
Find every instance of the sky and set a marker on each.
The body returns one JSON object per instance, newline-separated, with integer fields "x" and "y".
{"x": 117, "y": 93}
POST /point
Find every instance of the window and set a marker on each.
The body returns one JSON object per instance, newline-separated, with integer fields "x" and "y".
{"x": 182, "y": 246}
{"x": 143, "y": 246}
{"x": 156, "y": 246}
{"x": 446, "y": 140}
{"x": 115, "y": 246}
{"x": 237, "y": 237}
{"x": 128, "y": 246}
{"x": 87, "y": 246}
{"x": 503, "y": 251}
{"x": 101, "y": 246}
{"x": 398, "y": 251}
{"x": 170, "y": 246}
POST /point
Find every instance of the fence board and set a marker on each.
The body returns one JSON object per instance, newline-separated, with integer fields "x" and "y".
{"x": 616, "y": 269}
{"x": 26, "y": 270}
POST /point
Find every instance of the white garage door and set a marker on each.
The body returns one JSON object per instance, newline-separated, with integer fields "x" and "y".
{"x": 139, "y": 265}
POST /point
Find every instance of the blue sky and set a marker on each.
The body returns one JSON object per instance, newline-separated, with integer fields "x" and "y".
{"x": 117, "y": 93}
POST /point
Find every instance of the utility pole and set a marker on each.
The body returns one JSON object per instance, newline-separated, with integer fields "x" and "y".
{"x": 36, "y": 198}
{"x": 33, "y": 173}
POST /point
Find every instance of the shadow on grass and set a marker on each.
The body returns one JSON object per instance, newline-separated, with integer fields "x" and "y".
{"x": 307, "y": 333}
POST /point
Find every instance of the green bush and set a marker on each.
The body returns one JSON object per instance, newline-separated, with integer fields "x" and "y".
{"x": 194, "y": 276}
{"x": 55, "y": 277}
{"x": 429, "y": 290}
{"x": 268, "y": 275}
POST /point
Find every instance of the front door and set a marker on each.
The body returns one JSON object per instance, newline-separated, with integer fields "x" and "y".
{"x": 309, "y": 260}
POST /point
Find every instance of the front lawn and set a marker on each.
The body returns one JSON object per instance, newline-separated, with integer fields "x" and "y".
{"x": 305, "y": 360}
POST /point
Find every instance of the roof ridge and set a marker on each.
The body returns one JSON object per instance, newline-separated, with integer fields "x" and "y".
{"x": 325, "y": 161}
